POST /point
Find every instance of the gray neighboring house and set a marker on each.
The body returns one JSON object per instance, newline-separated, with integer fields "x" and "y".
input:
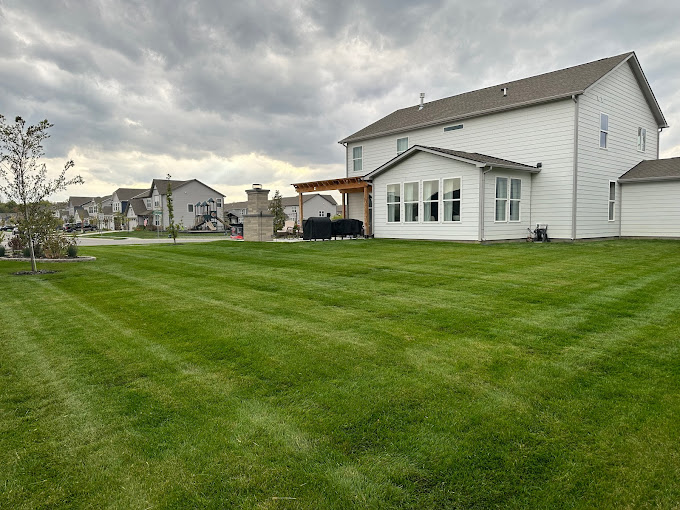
{"x": 196, "y": 205}
{"x": 576, "y": 149}
{"x": 76, "y": 207}
{"x": 119, "y": 203}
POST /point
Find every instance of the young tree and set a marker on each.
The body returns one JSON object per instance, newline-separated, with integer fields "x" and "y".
{"x": 276, "y": 208}
{"x": 172, "y": 228}
{"x": 22, "y": 178}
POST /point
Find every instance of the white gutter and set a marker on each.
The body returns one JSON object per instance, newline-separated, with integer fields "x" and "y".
{"x": 482, "y": 189}
{"x": 575, "y": 170}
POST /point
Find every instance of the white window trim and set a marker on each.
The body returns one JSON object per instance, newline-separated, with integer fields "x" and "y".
{"x": 460, "y": 200}
{"x": 416, "y": 201}
{"x": 496, "y": 199}
{"x": 402, "y": 138}
{"x": 358, "y": 159}
{"x": 423, "y": 201}
{"x": 600, "y": 131}
{"x": 642, "y": 139}
{"x": 190, "y": 208}
{"x": 610, "y": 201}
{"x": 387, "y": 204}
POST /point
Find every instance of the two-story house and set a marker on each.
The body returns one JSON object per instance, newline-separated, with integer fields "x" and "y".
{"x": 315, "y": 204}
{"x": 120, "y": 200}
{"x": 195, "y": 205}
{"x": 486, "y": 165}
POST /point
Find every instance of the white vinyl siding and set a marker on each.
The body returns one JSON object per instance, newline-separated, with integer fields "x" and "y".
{"x": 650, "y": 209}
{"x": 537, "y": 133}
{"x": 620, "y": 96}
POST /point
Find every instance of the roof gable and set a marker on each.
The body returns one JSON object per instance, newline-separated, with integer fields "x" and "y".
{"x": 527, "y": 91}
{"x": 473, "y": 158}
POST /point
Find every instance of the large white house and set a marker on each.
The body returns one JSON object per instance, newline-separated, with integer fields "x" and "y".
{"x": 575, "y": 149}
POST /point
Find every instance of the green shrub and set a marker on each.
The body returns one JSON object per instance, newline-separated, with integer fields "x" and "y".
{"x": 27, "y": 252}
{"x": 72, "y": 250}
{"x": 2, "y": 251}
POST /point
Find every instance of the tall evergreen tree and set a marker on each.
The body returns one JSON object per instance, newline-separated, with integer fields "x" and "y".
{"x": 276, "y": 208}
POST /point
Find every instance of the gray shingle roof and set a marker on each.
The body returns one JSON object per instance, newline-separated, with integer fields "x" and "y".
{"x": 472, "y": 157}
{"x": 125, "y": 194}
{"x": 533, "y": 90}
{"x": 653, "y": 170}
{"x": 138, "y": 206}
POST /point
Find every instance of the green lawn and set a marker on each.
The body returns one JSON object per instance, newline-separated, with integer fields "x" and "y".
{"x": 357, "y": 374}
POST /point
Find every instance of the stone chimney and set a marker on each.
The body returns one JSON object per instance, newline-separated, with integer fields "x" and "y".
{"x": 258, "y": 223}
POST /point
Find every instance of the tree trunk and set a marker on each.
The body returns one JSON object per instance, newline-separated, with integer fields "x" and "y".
{"x": 34, "y": 267}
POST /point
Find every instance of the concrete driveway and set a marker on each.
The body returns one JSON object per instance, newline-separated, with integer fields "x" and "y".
{"x": 104, "y": 241}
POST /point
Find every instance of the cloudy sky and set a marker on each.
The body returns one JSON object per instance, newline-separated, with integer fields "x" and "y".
{"x": 237, "y": 92}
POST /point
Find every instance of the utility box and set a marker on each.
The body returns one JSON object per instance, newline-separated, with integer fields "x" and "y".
{"x": 258, "y": 223}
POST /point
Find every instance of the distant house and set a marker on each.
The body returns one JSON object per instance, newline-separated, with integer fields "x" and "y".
{"x": 314, "y": 205}
{"x": 195, "y": 205}
{"x": 119, "y": 203}
{"x": 77, "y": 209}
{"x": 575, "y": 149}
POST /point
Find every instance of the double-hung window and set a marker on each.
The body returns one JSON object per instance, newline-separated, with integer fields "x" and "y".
{"x": 411, "y": 201}
{"x": 451, "y": 199}
{"x": 612, "y": 200}
{"x": 508, "y": 204}
{"x": 430, "y": 200}
{"x": 402, "y": 145}
{"x": 357, "y": 158}
{"x": 501, "y": 198}
{"x": 515, "y": 198}
{"x": 393, "y": 203}
{"x": 642, "y": 139}
{"x": 604, "y": 130}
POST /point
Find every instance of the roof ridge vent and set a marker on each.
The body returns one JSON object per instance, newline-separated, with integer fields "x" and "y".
{"x": 422, "y": 98}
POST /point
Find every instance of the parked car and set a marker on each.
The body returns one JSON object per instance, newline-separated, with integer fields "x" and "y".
{"x": 89, "y": 228}
{"x": 7, "y": 228}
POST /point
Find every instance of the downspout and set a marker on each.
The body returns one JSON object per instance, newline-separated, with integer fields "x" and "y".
{"x": 482, "y": 189}
{"x": 575, "y": 176}
{"x": 658, "y": 141}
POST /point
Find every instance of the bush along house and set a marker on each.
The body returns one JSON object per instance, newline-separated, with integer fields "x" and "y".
{"x": 575, "y": 149}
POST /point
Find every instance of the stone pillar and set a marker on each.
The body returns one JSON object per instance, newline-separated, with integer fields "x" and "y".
{"x": 258, "y": 223}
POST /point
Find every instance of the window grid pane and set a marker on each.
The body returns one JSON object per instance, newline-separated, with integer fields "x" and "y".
{"x": 500, "y": 209}
{"x": 501, "y": 187}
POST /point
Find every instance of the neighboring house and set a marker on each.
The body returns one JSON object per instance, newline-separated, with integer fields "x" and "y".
{"x": 313, "y": 205}
{"x": 137, "y": 213}
{"x": 119, "y": 203}
{"x": 76, "y": 206}
{"x": 560, "y": 149}
{"x": 195, "y": 204}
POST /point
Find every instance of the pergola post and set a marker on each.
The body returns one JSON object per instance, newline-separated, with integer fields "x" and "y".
{"x": 300, "y": 211}
{"x": 344, "y": 205}
{"x": 367, "y": 225}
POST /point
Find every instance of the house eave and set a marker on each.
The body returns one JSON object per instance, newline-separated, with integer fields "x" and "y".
{"x": 649, "y": 179}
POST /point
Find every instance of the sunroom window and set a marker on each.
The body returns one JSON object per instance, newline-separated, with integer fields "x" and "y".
{"x": 515, "y": 197}
{"x": 411, "y": 201}
{"x": 451, "y": 199}
{"x": 430, "y": 200}
{"x": 393, "y": 203}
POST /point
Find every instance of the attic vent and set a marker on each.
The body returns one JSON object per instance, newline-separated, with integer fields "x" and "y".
{"x": 422, "y": 98}
{"x": 453, "y": 128}
{"x": 505, "y": 91}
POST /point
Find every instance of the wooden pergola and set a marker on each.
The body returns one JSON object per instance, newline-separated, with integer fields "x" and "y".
{"x": 344, "y": 185}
